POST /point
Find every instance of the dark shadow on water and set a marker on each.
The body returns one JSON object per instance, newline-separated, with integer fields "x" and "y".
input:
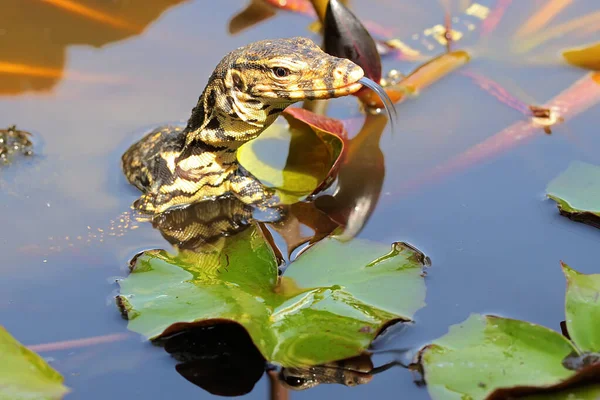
{"x": 221, "y": 359}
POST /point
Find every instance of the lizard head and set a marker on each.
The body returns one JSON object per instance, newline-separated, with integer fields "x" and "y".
{"x": 253, "y": 84}
{"x": 284, "y": 71}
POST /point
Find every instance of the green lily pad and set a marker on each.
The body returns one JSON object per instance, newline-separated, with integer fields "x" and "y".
{"x": 487, "y": 352}
{"x": 330, "y": 304}
{"x": 577, "y": 192}
{"x": 582, "y": 309}
{"x": 488, "y": 357}
{"x": 312, "y": 152}
{"x": 24, "y": 374}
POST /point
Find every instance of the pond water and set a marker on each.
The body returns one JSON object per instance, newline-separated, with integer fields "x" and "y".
{"x": 101, "y": 80}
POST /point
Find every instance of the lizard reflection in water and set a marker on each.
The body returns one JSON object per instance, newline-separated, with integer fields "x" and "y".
{"x": 200, "y": 232}
{"x": 247, "y": 91}
{"x": 349, "y": 372}
{"x": 192, "y": 228}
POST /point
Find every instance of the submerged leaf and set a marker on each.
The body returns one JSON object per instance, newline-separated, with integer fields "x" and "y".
{"x": 485, "y": 353}
{"x": 541, "y": 17}
{"x": 83, "y": 22}
{"x": 25, "y": 375}
{"x": 582, "y": 309}
{"x": 420, "y": 78}
{"x": 577, "y": 192}
{"x": 584, "y": 57}
{"x": 580, "y": 96}
{"x": 255, "y": 12}
{"x": 330, "y": 305}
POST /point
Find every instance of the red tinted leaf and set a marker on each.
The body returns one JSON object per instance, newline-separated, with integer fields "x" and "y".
{"x": 326, "y": 124}
{"x": 328, "y": 130}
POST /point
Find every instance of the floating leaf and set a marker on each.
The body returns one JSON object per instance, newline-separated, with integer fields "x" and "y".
{"x": 582, "y": 306}
{"x": 25, "y": 375}
{"x": 498, "y": 358}
{"x": 485, "y": 353}
{"x": 330, "y": 305}
{"x": 584, "y": 57}
{"x": 577, "y": 192}
{"x": 315, "y": 143}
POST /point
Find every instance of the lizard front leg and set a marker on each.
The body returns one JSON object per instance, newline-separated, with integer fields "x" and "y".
{"x": 250, "y": 190}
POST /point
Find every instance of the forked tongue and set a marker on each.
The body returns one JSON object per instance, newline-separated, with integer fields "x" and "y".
{"x": 385, "y": 99}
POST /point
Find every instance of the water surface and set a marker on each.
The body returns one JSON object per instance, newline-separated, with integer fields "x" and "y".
{"x": 494, "y": 241}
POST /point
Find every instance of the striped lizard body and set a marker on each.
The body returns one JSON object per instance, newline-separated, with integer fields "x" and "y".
{"x": 247, "y": 91}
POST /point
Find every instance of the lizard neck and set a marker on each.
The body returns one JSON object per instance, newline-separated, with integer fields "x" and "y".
{"x": 226, "y": 116}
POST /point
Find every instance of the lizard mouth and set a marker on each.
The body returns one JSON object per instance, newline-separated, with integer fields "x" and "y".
{"x": 339, "y": 91}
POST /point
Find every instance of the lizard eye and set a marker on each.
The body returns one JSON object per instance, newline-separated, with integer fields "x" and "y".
{"x": 281, "y": 72}
{"x": 294, "y": 381}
